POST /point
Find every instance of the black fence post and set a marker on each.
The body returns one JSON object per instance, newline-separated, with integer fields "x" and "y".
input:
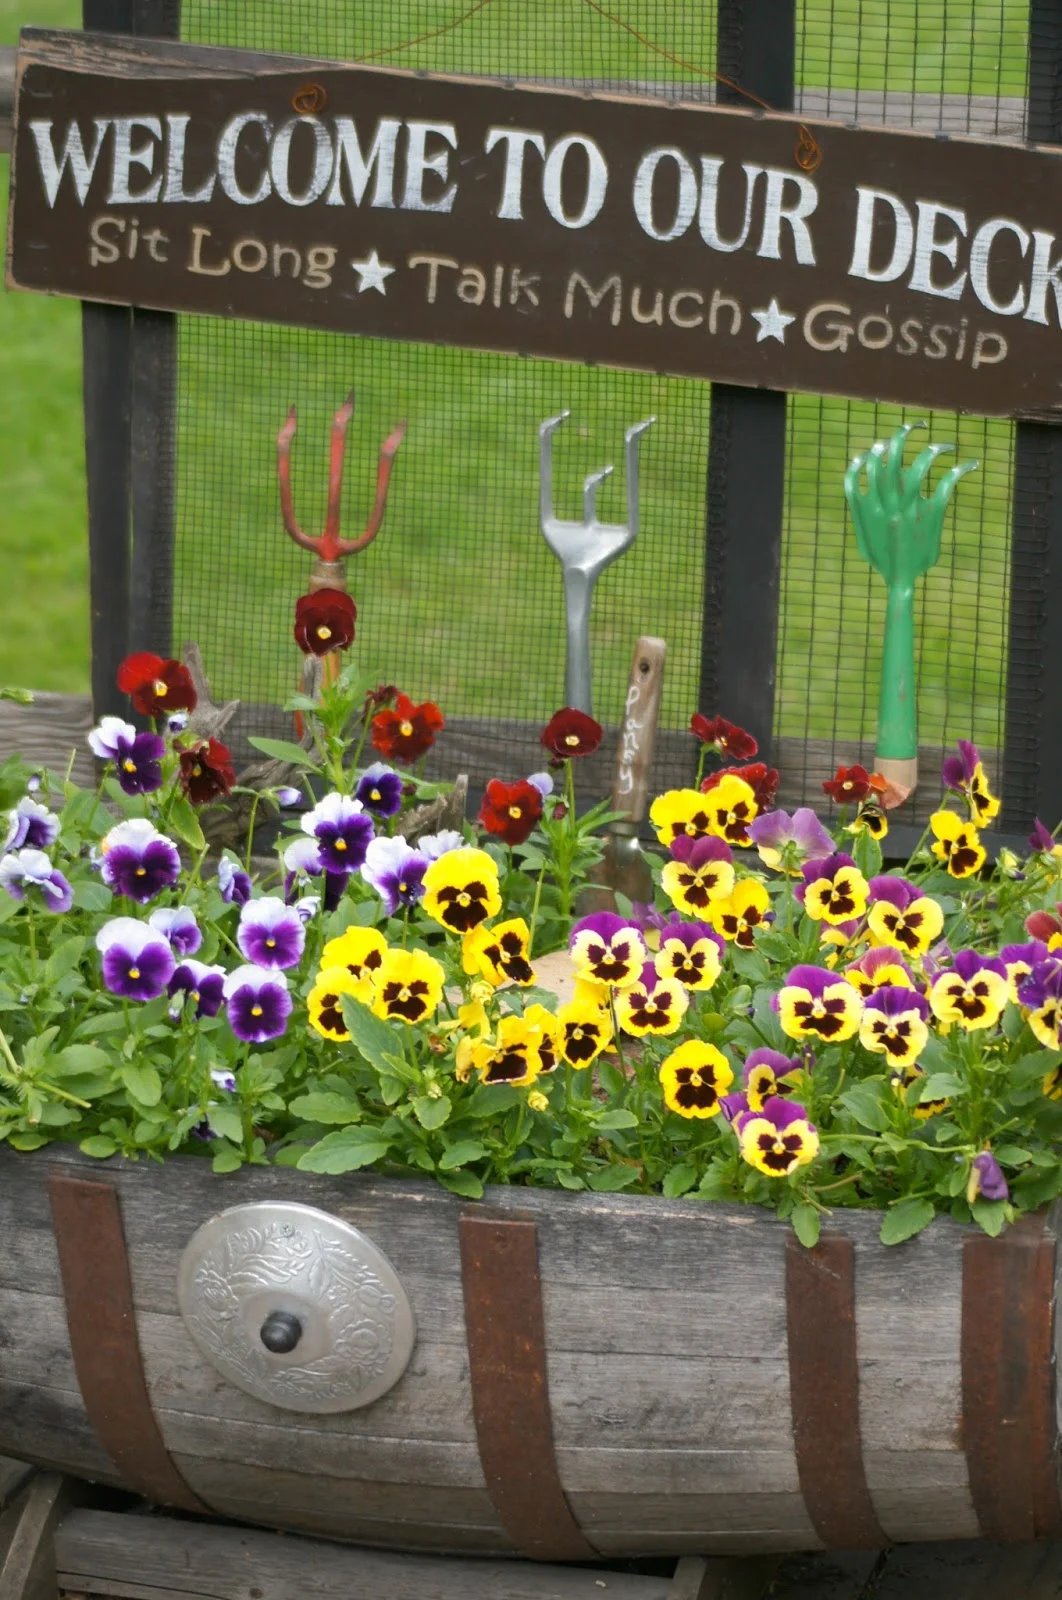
{"x": 746, "y": 443}
{"x": 1032, "y": 756}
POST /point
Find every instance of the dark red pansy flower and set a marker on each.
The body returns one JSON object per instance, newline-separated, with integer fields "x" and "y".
{"x": 510, "y": 810}
{"x": 853, "y": 784}
{"x": 207, "y": 772}
{"x": 324, "y": 621}
{"x": 156, "y": 687}
{"x": 381, "y": 698}
{"x": 408, "y": 731}
{"x": 571, "y": 733}
{"x": 723, "y": 736}
{"x": 761, "y": 779}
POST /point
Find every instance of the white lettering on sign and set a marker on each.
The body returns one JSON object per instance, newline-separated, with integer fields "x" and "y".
{"x": 174, "y": 192}
{"x": 73, "y": 155}
{"x": 419, "y": 164}
{"x": 360, "y": 168}
{"x": 708, "y": 216}
{"x": 903, "y": 237}
{"x": 629, "y": 741}
{"x": 280, "y": 161}
{"x": 596, "y": 181}
{"x": 227, "y": 147}
{"x": 516, "y": 141}
{"x": 929, "y": 244}
{"x": 686, "y": 206}
{"x": 125, "y": 157}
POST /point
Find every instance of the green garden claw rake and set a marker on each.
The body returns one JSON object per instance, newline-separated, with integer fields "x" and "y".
{"x": 898, "y": 531}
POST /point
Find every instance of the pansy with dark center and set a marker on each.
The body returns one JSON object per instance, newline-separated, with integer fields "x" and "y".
{"x": 511, "y": 1057}
{"x": 761, "y": 779}
{"x": 137, "y": 757}
{"x": 324, "y": 621}
{"x": 584, "y": 1030}
{"x": 769, "y": 1072}
{"x": 510, "y": 811}
{"x": 877, "y": 968}
{"x": 234, "y": 885}
{"x": 957, "y": 844}
{"x": 833, "y": 890}
{"x": 257, "y": 1004}
{"x": 137, "y": 962}
{"x": 200, "y": 986}
{"x": 870, "y": 818}
{"x": 361, "y": 952}
{"x": 545, "y": 1037}
{"x": 817, "y": 1003}
{"x": 25, "y": 872}
{"x": 691, "y": 953}
{"x": 1041, "y": 994}
{"x": 396, "y": 871}
{"x": 700, "y": 871}
{"x": 207, "y": 772}
{"x": 138, "y": 861}
{"x": 973, "y": 993}
{"x": 726, "y": 738}
{"x": 902, "y": 916}
{"x": 461, "y": 889}
{"x": 380, "y": 790}
{"x": 324, "y": 1003}
{"x": 902, "y": 1079}
{"x": 408, "y": 732}
{"x": 893, "y": 1024}
{"x": 178, "y": 926}
{"x": 270, "y": 933}
{"x": 746, "y": 909}
{"x": 499, "y": 954}
{"x": 652, "y": 1005}
{"x": 965, "y": 774}
{"x": 156, "y": 686}
{"x": 570, "y": 733}
{"x": 1019, "y": 960}
{"x": 694, "y": 1079}
{"x": 408, "y": 985}
{"x": 343, "y": 830}
{"x": 778, "y": 1138}
{"x": 853, "y": 784}
{"x": 31, "y": 826}
{"x": 608, "y": 948}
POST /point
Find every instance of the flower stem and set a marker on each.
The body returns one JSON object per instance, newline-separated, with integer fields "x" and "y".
{"x": 534, "y": 910}
{"x": 250, "y": 830}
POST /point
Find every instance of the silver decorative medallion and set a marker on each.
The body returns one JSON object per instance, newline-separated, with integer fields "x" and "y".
{"x": 296, "y": 1307}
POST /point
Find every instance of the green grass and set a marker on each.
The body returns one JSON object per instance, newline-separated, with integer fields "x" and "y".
{"x": 460, "y": 557}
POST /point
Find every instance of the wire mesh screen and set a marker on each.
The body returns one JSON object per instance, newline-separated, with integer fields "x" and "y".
{"x": 960, "y": 66}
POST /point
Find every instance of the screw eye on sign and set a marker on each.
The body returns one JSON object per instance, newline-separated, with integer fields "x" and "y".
{"x": 679, "y": 239}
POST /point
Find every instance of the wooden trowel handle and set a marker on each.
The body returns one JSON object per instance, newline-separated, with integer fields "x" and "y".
{"x": 634, "y": 754}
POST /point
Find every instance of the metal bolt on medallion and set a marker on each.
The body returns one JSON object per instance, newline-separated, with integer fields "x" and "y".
{"x": 296, "y": 1307}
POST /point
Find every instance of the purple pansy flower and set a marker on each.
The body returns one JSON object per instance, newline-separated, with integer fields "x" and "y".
{"x": 380, "y": 790}
{"x": 137, "y": 961}
{"x": 695, "y": 853}
{"x": 287, "y": 795}
{"x": 200, "y": 983}
{"x": 234, "y": 885}
{"x": 774, "y": 830}
{"x": 1043, "y": 983}
{"x": 774, "y": 1059}
{"x": 109, "y": 735}
{"x": 895, "y": 1000}
{"x": 179, "y": 927}
{"x": 221, "y": 1078}
{"x": 307, "y": 907}
{"x": 734, "y": 1105}
{"x": 31, "y": 826}
{"x": 137, "y": 756}
{"x": 138, "y": 861}
{"x": 783, "y": 1113}
{"x": 434, "y": 845}
{"x": 177, "y": 721}
{"x": 969, "y": 962}
{"x": 542, "y": 782}
{"x": 827, "y": 867}
{"x": 271, "y": 934}
{"x": 1021, "y": 960}
{"x": 897, "y": 891}
{"x": 986, "y": 1179}
{"x": 957, "y": 771}
{"x": 1041, "y": 838}
{"x": 395, "y": 871}
{"x": 31, "y": 869}
{"x": 937, "y": 959}
{"x": 342, "y": 828}
{"x": 302, "y": 860}
{"x": 258, "y": 1004}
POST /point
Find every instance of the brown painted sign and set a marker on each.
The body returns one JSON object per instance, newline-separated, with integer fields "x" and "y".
{"x": 681, "y": 239}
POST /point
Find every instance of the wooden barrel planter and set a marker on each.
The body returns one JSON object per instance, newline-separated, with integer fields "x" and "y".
{"x": 591, "y": 1374}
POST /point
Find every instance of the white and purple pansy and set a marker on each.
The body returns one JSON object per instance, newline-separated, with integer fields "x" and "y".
{"x": 542, "y": 782}
{"x": 343, "y": 830}
{"x": 23, "y": 871}
{"x": 434, "y": 845}
{"x": 234, "y": 885}
{"x": 257, "y": 1003}
{"x": 287, "y": 796}
{"x": 177, "y": 924}
{"x": 223, "y": 1078}
{"x": 395, "y": 871}
{"x": 137, "y": 756}
{"x": 31, "y": 826}
{"x": 198, "y": 984}
{"x": 137, "y": 961}
{"x": 307, "y": 907}
{"x": 270, "y": 933}
{"x": 138, "y": 861}
{"x": 380, "y": 790}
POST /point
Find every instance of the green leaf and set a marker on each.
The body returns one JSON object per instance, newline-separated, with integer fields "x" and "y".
{"x": 98, "y": 1145}
{"x": 109, "y": 1022}
{"x": 91, "y": 896}
{"x": 225, "y": 1121}
{"x": 431, "y": 1111}
{"x": 806, "y": 1224}
{"x": 990, "y": 1215}
{"x": 185, "y": 823}
{"x": 609, "y": 1179}
{"x": 63, "y": 959}
{"x": 942, "y": 1086}
{"x": 618, "y": 1117}
{"x": 865, "y": 1102}
{"x": 1031, "y": 1068}
{"x": 905, "y": 1219}
{"x": 679, "y": 1180}
{"x": 27, "y": 1141}
{"x": 460, "y": 1154}
{"x": 346, "y": 1151}
{"x": 391, "y": 1090}
{"x": 370, "y": 1036}
{"x": 491, "y": 1099}
{"x": 325, "y": 1107}
{"x": 569, "y": 1180}
{"x": 227, "y": 1160}
{"x": 143, "y": 1083}
{"x": 77, "y": 1059}
{"x": 1014, "y": 1156}
{"x": 463, "y": 1183}
{"x": 285, "y": 750}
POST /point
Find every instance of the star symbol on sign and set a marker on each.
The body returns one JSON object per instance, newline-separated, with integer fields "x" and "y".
{"x": 371, "y": 273}
{"x": 773, "y": 322}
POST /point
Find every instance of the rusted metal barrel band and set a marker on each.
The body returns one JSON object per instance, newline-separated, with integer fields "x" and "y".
{"x": 98, "y": 1291}
{"x": 1008, "y": 1382}
{"x": 510, "y": 1390}
{"x": 824, "y": 1393}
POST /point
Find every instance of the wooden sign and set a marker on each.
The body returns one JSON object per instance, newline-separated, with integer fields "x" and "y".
{"x": 714, "y": 243}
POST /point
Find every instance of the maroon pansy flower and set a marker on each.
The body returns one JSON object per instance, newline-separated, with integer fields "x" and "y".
{"x": 156, "y": 687}
{"x": 723, "y": 736}
{"x": 324, "y": 621}
{"x": 207, "y": 772}
{"x": 852, "y": 785}
{"x": 510, "y": 810}
{"x": 571, "y": 733}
